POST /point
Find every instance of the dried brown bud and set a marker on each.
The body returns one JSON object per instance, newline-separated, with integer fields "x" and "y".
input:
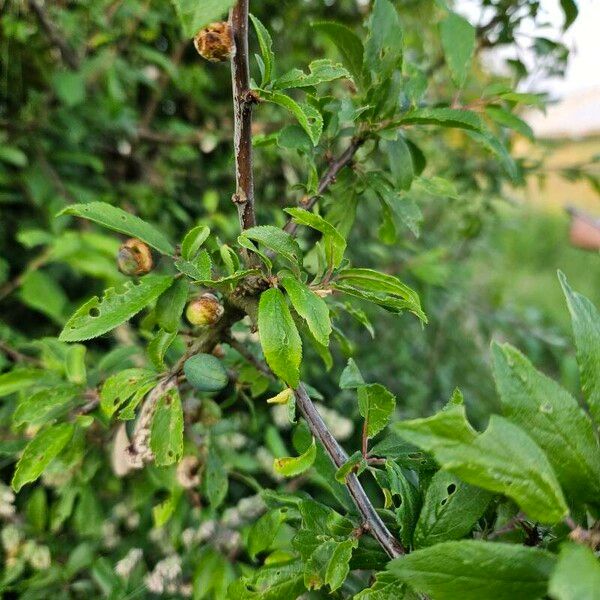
{"x": 215, "y": 42}
{"x": 206, "y": 310}
{"x": 134, "y": 258}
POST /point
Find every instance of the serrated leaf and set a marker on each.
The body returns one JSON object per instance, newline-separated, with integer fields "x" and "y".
{"x": 193, "y": 240}
{"x": 45, "y": 404}
{"x": 409, "y": 501}
{"x": 553, "y": 419}
{"x": 291, "y": 466}
{"x": 117, "y": 305}
{"x": 170, "y": 305}
{"x": 351, "y": 377}
{"x": 585, "y": 320}
{"x": 312, "y": 308}
{"x": 576, "y": 575}
{"x": 308, "y": 117}
{"x": 123, "y": 386}
{"x": 383, "y": 287}
{"x": 40, "y": 452}
{"x": 194, "y": 15}
{"x": 450, "y": 510}
{"x": 376, "y": 404}
{"x": 280, "y": 581}
{"x": 338, "y": 566}
{"x": 334, "y": 242}
{"x": 444, "y": 117}
{"x": 458, "y": 41}
{"x": 383, "y": 49}
{"x": 386, "y": 587}
{"x": 279, "y": 337}
{"x": 166, "y": 432}
{"x": 473, "y": 570}
{"x": 199, "y": 269}
{"x": 502, "y": 459}
{"x": 277, "y": 240}
{"x": 158, "y": 346}
{"x": 266, "y": 50}
{"x": 263, "y": 532}
{"x": 348, "y": 44}
{"x": 320, "y": 71}
{"x": 215, "y": 480}
{"x": 118, "y": 220}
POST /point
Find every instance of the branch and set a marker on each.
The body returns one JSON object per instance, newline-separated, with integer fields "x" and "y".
{"x": 372, "y": 521}
{"x": 243, "y": 98}
{"x": 328, "y": 178}
{"x": 67, "y": 53}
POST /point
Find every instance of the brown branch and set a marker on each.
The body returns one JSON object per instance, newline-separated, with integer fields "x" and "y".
{"x": 338, "y": 457}
{"x": 243, "y": 99}
{"x": 328, "y": 178}
{"x": 55, "y": 37}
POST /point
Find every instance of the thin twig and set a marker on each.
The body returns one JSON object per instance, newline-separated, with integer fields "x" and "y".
{"x": 373, "y": 522}
{"x": 243, "y": 99}
{"x": 55, "y": 37}
{"x": 17, "y": 356}
{"x": 328, "y": 178}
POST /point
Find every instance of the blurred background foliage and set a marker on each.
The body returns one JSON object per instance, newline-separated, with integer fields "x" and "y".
{"x": 105, "y": 100}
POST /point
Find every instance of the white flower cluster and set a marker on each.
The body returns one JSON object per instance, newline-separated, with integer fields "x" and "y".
{"x": 15, "y": 549}
{"x": 7, "y": 502}
{"x": 166, "y": 576}
{"x": 127, "y": 564}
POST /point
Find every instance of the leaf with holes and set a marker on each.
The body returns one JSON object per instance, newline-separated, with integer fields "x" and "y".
{"x": 40, "y": 452}
{"x": 308, "y": 117}
{"x": 450, "y": 510}
{"x": 127, "y": 385}
{"x": 118, "y": 220}
{"x": 166, "y": 432}
{"x": 320, "y": 71}
{"x": 117, "y": 305}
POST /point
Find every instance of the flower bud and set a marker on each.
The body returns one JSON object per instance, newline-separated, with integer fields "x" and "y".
{"x": 206, "y": 310}
{"x": 134, "y": 258}
{"x": 214, "y": 42}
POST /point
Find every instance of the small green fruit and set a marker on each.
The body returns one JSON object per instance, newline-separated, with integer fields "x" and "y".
{"x": 206, "y": 310}
{"x": 205, "y": 372}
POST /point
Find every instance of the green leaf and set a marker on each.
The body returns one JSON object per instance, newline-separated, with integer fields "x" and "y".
{"x": 40, "y": 452}
{"x": 266, "y": 50}
{"x": 279, "y": 581}
{"x": 376, "y": 404}
{"x": 338, "y": 566}
{"x": 335, "y": 244}
{"x": 351, "y": 377}
{"x": 576, "y": 575}
{"x": 45, "y": 405}
{"x": 450, "y": 510}
{"x": 355, "y": 464}
{"x": 320, "y": 71}
{"x": 117, "y": 305}
{"x": 170, "y": 305}
{"x": 291, "y": 466}
{"x": 348, "y": 44}
{"x": 263, "y": 532}
{"x": 129, "y": 384}
{"x": 570, "y": 10}
{"x": 158, "y": 346}
{"x": 554, "y": 420}
{"x": 195, "y": 15}
{"x": 279, "y": 337}
{"x": 312, "y": 308}
{"x": 308, "y": 117}
{"x": 386, "y": 587}
{"x": 383, "y": 50}
{"x": 401, "y": 162}
{"x": 585, "y": 320}
{"x": 473, "y": 570}
{"x": 13, "y": 156}
{"x": 383, "y": 287}
{"x": 458, "y": 41}
{"x": 19, "y": 379}
{"x": 75, "y": 364}
{"x": 277, "y": 240}
{"x": 118, "y": 220}
{"x": 42, "y": 293}
{"x": 444, "y": 117}
{"x": 409, "y": 503}
{"x": 193, "y": 240}
{"x": 502, "y": 459}
{"x": 507, "y": 119}
{"x": 199, "y": 269}
{"x": 215, "y": 479}
{"x": 166, "y": 432}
